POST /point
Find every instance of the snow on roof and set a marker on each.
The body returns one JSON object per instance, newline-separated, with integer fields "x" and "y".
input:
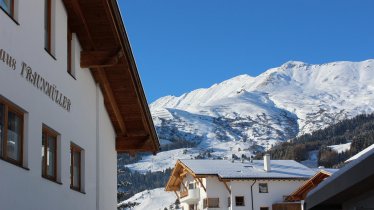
{"x": 225, "y": 169}
{"x": 328, "y": 170}
{"x": 360, "y": 153}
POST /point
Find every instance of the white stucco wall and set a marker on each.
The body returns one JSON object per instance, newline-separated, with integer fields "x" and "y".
{"x": 107, "y": 159}
{"x": 216, "y": 189}
{"x": 26, "y": 189}
{"x": 276, "y": 190}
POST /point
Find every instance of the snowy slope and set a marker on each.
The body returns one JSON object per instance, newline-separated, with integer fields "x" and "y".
{"x": 156, "y": 199}
{"x": 246, "y": 114}
{"x": 339, "y": 148}
{"x": 317, "y": 94}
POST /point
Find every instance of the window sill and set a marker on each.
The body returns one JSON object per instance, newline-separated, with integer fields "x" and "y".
{"x": 76, "y": 190}
{"x": 49, "y": 53}
{"x": 51, "y": 179}
{"x": 10, "y": 16}
{"x": 13, "y": 163}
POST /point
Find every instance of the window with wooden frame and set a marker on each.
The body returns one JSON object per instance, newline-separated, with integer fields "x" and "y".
{"x": 11, "y": 133}
{"x": 211, "y": 203}
{"x": 49, "y": 154}
{"x": 192, "y": 207}
{"x": 239, "y": 200}
{"x": 7, "y": 6}
{"x": 76, "y": 168}
{"x": 263, "y": 187}
{"x": 48, "y": 26}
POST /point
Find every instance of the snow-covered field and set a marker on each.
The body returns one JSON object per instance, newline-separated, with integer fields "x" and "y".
{"x": 159, "y": 162}
{"x": 339, "y": 148}
{"x": 156, "y": 199}
{"x": 167, "y": 159}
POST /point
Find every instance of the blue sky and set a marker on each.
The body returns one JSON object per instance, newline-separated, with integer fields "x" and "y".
{"x": 182, "y": 45}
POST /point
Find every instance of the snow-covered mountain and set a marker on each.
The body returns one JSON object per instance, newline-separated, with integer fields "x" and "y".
{"x": 246, "y": 114}
{"x": 249, "y": 113}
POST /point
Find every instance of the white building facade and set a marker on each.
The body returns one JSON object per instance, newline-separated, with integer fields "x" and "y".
{"x": 225, "y": 185}
{"x": 58, "y": 137}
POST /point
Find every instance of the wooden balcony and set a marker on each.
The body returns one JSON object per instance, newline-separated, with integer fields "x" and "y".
{"x": 184, "y": 193}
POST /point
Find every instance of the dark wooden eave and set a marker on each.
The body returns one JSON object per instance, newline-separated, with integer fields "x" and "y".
{"x": 107, "y": 53}
{"x": 300, "y": 193}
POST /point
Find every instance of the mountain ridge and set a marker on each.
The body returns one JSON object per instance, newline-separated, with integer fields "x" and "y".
{"x": 293, "y": 75}
{"x": 245, "y": 115}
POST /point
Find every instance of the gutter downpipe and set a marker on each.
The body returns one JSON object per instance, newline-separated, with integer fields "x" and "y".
{"x": 97, "y": 147}
{"x": 252, "y": 192}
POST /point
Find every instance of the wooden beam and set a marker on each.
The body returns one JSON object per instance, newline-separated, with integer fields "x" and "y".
{"x": 119, "y": 30}
{"x": 201, "y": 183}
{"x": 77, "y": 9}
{"x": 184, "y": 186}
{"x": 133, "y": 151}
{"x": 102, "y": 76}
{"x": 112, "y": 101}
{"x": 96, "y": 59}
{"x": 131, "y": 146}
{"x": 135, "y": 139}
{"x": 227, "y": 187}
{"x": 172, "y": 188}
{"x": 184, "y": 173}
{"x": 176, "y": 194}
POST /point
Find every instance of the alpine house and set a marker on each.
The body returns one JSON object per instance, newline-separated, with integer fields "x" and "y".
{"x": 234, "y": 185}
{"x": 70, "y": 100}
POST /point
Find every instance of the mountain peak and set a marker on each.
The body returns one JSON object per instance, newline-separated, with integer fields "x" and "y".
{"x": 293, "y": 64}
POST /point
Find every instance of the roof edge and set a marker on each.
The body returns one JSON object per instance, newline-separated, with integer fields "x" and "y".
{"x": 125, "y": 43}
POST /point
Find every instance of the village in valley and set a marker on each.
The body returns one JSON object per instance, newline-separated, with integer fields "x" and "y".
{"x": 93, "y": 120}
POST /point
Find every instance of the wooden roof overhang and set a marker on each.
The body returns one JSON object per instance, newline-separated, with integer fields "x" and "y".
{"x": 302, "y": 191}
{"x": 107, "y": 53}
{"x": 176, "y": 177}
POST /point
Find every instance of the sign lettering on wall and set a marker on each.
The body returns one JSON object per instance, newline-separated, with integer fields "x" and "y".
{"x": 38, "y": 81}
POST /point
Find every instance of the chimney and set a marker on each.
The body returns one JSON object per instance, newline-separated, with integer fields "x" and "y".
{"x": 267, "y": 167}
